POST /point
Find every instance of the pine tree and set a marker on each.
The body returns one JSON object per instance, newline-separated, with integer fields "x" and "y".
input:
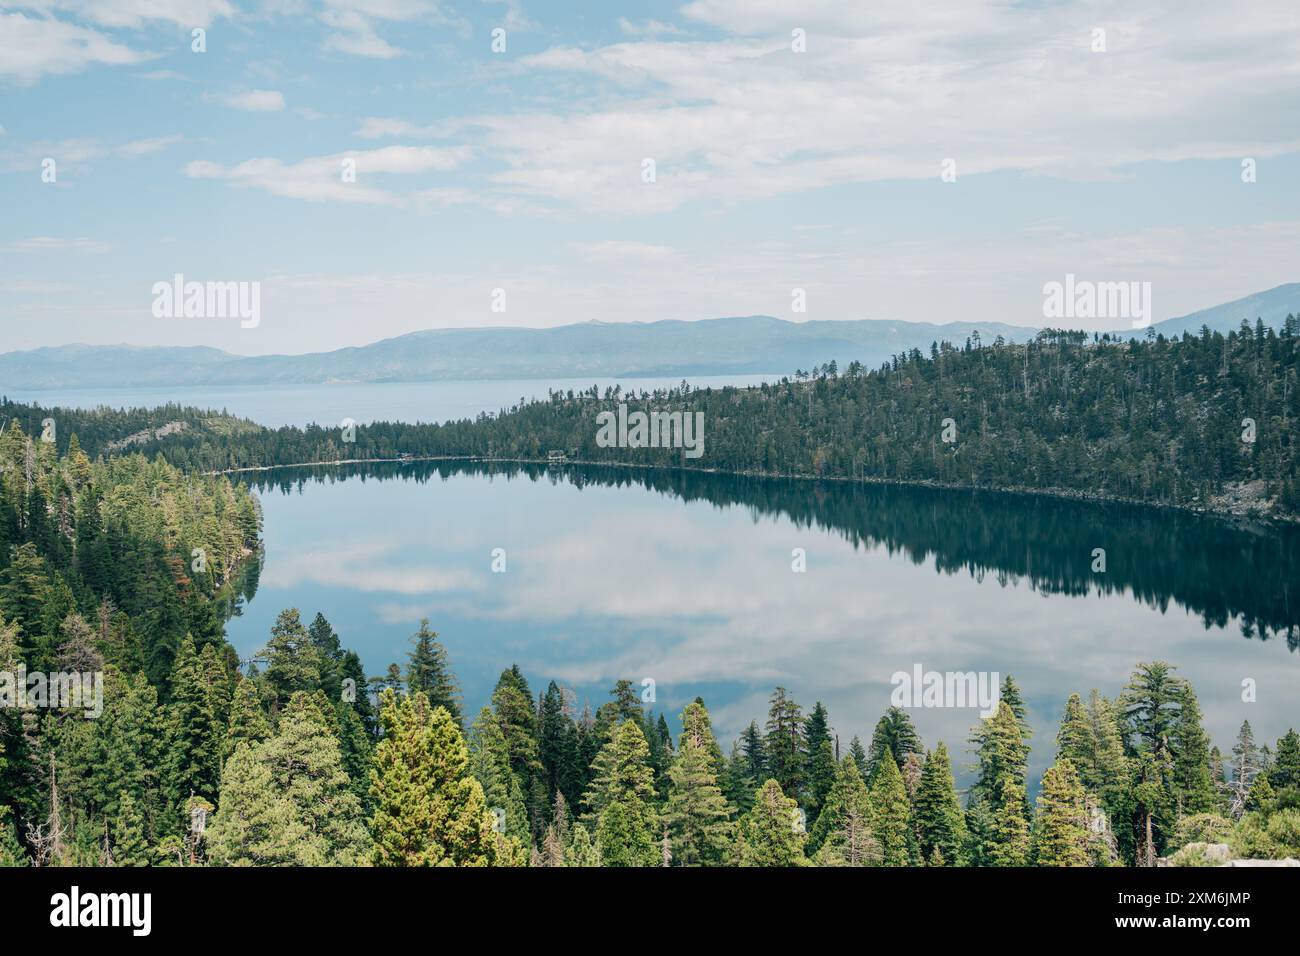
{"x": 428, "y": 810}
{"x": 820, "y": 769}
{"x": 1010, "y": 828}
{"x": 305, "y": 772}
{"x": 1193, "y": 788}
{"x": 11, "y": 851}
{"x": 248, "y": 723}
{"x": 1286, "y": 762}
{"x": 194, "y": 730}
{"x": 842, "y": 835}
{"x": 428, "y": 672}
{"x": 129, "y": 847}
{"x": 769, "y": 833}
{"x": 894, "y": 733}
{"x": 622, "y": 794}
{"x": 557, "y": 747}
{"x": 697, "y": 814}
{"x": 255, "y": 824}
{"x": 1001, "y": 752}
{"x": 859, "y": 755}
{"x": 892, "y": 813}
{"x": 325, "y": 641}
{"x": 489, "y": 763}
{"x": 1060, "y": 836}
{"x": 784, "y": 743}
{"x": 747, "y": 768}
{"x": 937, "y": 814}
{"x": 513, "y": 705}
{"x": 293, "y": 662}
{"x": 582, "y": 851}
{"x": 1246, "y": 766}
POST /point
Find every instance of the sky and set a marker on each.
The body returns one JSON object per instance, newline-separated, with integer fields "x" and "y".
{"x": 503, "y": 145}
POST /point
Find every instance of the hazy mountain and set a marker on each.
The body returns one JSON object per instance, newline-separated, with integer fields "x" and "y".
{"x": 1272, "y": 306}
{"x": 756, "y": 344}
{"x": 752, "y": 344}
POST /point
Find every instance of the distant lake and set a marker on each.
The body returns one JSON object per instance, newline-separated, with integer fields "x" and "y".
{"x": 686, "y": 579}
{"x": 276, "y": 405}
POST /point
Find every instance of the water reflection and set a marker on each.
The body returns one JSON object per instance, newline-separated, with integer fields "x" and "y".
{"x": 1226, "y": 572}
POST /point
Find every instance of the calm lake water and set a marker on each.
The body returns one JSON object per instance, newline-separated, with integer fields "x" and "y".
{"x": 687, "y": 580}
{"x": 277, "y": 405}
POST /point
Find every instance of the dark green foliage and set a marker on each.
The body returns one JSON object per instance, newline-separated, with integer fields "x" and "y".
{"x": 1093, "y": 414}
{"x": 769, "y": 833}
{"x": 428, "y": 673}
{"x": 937, "y": 815}
{"x": 784, "y": 743}
{"x": 896, "y": 734}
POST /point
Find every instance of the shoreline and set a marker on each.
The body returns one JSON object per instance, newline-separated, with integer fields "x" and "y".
{"x": 1058, "y": 493}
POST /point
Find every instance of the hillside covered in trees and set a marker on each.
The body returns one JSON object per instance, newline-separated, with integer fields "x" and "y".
{"x": 287, "y": 766}
{"x": 121, "y": 561}
{"x": 1206, "y": 421}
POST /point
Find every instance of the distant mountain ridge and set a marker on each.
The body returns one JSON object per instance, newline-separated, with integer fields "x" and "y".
{"x": 740, "y": 345}
{"x": 728, "y": 346}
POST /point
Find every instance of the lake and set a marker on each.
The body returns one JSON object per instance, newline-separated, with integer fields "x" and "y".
{"x": 277, "y": 405}
{"x": 687, "y": 580}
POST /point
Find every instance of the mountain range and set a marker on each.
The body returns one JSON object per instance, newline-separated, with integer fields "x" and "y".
{"x": 756, "y": 344}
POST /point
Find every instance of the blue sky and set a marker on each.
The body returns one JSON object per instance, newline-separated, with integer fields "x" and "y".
{"x": 522, "y": 169}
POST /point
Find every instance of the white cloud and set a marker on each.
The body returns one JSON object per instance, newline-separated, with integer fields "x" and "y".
{"x": 353, "y": 24}
{"x": 320, "y": 178}
{"x": 73, "y": 153}
{"x": 376, "y": 127}
{"x": 52, "y": 244}
{"x": 35, "y": 47}
{"x": 888, "y": 92}
{"x": 256, "y": 101}
{"x": 613, "y": 249}
{"x": 136, "y": 13}
{"x": 647, "y": 28}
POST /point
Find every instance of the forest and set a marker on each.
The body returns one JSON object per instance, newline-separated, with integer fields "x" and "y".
{"x": 1203, "y": 421}
{"x": 118, "y": 552}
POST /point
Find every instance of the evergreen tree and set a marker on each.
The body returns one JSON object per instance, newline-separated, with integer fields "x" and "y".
{"x": 892, "y": 813}
{"x": 428, "y": 810}
{"x": 248, "y": 723}
{"x": 894, "y": 733}
{"x": 842, "y": 835}
{"x": 129, "y": 846}
{"x": 194, "y": 730}
{"x": 784, "y": 743}
{"x": 489, "y": 763}
{"x": 305, "y": 772}
{"x": 293, "y": 663}
{"x": 697, "y": 814}
{"x": 429, "y": 674}
{"x": 859, "y": 755}
{"x": 1010, "y": 828}
{"x": 820, "y": 770}
{"x": 1286, "y": 762}
{"x": 769, "y": 834}
{"x": 1193, "y": 788}
{"x": 938, "y": 818}
{"x": 255, "y": 824}
{"x": 1060, "y": 835}
{"x": 11, "y": 851}
{"x": 622, "y": 794}
{"x": 1247, "y": 764}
